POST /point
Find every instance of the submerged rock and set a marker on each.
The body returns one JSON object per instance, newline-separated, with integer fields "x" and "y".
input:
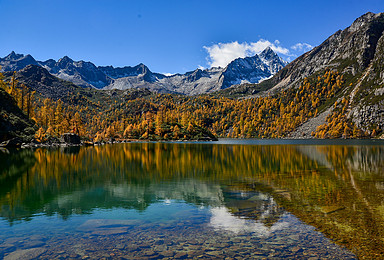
{"x": 70, "y": 138}
{"x": 26, "y": 254}
{"x": 12, "y": 143}
{"x": 88, "y": 143}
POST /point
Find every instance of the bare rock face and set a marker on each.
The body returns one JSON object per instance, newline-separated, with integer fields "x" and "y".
{"x": 368, "y": 100}
{"x": 70, "y": 138}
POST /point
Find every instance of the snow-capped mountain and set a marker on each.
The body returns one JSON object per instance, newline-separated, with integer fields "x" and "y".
{"x": 252, "y": 69}
{"x": 86, "y": 74}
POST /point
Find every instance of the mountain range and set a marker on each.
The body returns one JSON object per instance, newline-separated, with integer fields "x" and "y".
{"x": 85, "y": 74}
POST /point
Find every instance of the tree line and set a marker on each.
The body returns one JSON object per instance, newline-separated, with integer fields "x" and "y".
{"x": 178, "y": 117}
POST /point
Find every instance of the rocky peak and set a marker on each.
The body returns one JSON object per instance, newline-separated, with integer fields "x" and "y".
{"x": 247, "y": 63}
{"x": 15, "y": 62}
{"x": 142, "y": 69}
{"x": 145, "y": 73}
{"x": 13, "y": 56}
{"x": 268, "y": 53}
{"x": 63, "y": 62}
{"x": 127, "y": 71}
{"x": 251, "y": 69}
{"x": 28, "y": 59}
{"x": 48, "y": 63}
{"x": 272, "y": 60}
{"x": 196, "y": 75}
{"x": 361, "y": 21}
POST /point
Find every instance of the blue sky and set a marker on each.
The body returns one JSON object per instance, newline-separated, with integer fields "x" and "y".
{"x": 170, "y": 36}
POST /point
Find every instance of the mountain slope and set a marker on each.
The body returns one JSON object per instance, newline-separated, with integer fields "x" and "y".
{"x": 40, "y": 80}
{"x": 357, "y": 53}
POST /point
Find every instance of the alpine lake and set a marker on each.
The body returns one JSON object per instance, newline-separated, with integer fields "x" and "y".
{"x": 231, "y": 199}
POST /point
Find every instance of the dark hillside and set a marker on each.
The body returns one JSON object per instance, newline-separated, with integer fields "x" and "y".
{"x": 13, "y": 122}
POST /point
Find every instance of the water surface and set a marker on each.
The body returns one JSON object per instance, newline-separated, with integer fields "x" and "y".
{"x": 232, "y": 198}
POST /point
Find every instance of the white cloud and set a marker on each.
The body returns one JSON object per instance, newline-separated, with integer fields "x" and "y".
{"x": 222, "y": 219}
{"x": 221, "y": 54}
{"x": 302, "y": 47}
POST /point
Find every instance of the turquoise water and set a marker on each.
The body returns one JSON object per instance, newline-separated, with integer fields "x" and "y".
{"x": 232, "y": 198}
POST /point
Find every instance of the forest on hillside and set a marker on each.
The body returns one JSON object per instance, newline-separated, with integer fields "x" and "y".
{"x": 140, "y": 114}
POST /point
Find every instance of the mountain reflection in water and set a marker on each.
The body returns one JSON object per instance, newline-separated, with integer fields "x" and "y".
{"x": 247, "y": 188}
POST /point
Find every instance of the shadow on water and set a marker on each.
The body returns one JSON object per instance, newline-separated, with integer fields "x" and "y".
{"x": 13, "y": 165}
{"x": 70, "y": 149}
{"x": 338, "y": 189}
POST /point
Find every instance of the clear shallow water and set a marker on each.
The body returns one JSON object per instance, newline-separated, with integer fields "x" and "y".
{"x": 233, "y": 198}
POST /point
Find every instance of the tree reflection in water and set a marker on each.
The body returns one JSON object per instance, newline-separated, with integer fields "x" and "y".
{"x": 336, "y": 188}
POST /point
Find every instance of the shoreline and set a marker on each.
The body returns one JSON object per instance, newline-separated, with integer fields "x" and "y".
{"x": 88, "y": 143}
{"x": 240, "y": 141}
